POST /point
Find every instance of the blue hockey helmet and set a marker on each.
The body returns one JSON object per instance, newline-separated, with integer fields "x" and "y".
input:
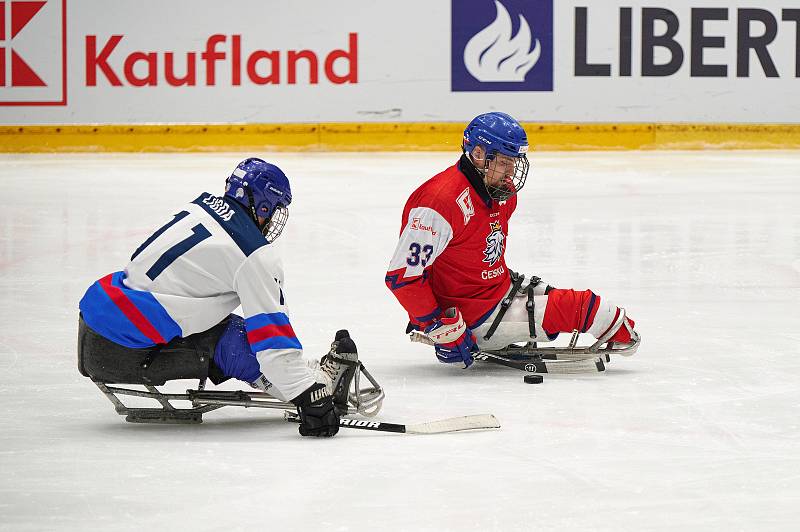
{"x": 499, "y": 134}
{"x": 264, "y": 189}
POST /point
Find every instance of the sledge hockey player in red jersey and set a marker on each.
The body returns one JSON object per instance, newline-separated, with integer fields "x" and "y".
{"x": 449, "y": 271}
{"x": 167, "y": 316}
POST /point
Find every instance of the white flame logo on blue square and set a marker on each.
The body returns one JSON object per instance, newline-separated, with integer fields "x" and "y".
{"x": 502, "y": 45}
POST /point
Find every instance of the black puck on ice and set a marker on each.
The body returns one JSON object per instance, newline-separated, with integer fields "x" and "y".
{"x": 533, "y": 379}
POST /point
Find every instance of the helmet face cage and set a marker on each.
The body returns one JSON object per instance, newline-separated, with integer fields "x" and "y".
{"x": 510, "y": 182}
{"x": 277, "y": 221}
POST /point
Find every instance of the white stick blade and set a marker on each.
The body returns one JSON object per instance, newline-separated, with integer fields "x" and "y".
{"x": 454, "y": 424}
{"x": 421, "y": 337}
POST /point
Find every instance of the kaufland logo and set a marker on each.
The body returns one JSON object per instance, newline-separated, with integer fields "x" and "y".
{"x": 502, "y": 45}
{"x": 224, "y": 59}
{"x": 33, "y": 52}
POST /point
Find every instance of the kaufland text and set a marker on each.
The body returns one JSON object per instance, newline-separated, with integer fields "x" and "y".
{"x": 223, "y": 61}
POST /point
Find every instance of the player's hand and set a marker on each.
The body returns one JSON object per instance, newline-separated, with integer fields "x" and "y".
{"x": 453, "y": 340}
{"x": 317, "y": 415}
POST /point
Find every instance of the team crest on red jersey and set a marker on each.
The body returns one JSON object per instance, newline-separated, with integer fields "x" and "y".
{"x": 494, "y": 244}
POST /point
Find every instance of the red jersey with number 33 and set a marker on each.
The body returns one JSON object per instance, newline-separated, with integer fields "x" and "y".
{"x": 451, "y": 250}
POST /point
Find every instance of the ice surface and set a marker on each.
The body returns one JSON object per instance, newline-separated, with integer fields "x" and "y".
{"x": 698, "y": 431}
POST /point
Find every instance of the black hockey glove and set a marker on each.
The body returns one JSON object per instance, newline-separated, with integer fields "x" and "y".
{"x": 317, "y": 415}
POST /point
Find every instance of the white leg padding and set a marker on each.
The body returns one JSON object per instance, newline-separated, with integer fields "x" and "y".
{"x": 603, "y": 319}
{"x": 514, "y": 327}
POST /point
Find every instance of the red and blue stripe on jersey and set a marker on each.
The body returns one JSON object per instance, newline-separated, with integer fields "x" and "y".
{"x": 271, "y": 331}
{"x": 132, "y": 318}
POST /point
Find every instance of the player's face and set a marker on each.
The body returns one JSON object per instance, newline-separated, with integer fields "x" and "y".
{"x": 500, "y": 170}
{"x": 503, "y": 175}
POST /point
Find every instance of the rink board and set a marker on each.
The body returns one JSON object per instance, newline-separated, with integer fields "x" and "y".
{"x": 387, "y": 137}
{"x": 319, "y": 63}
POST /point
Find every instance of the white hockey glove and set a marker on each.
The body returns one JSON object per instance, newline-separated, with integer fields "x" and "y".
{"x": 453, "y": 340}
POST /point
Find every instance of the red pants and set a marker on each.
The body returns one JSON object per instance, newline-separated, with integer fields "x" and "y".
{"x": 568, "y": 310}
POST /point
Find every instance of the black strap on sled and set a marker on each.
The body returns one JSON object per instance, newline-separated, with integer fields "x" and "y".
{"x": 154, "y": 352}
{"x": 531, "y": 306}
{"x": 516, "y": 282}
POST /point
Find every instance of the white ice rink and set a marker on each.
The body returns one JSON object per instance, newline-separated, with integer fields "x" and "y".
{"x": 700, "y": 430}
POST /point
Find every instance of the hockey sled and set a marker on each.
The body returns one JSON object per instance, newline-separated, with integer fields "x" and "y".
{"x": 601, "y": 348}
{"x": 571, "y": 359}
{"x": 118, "y": 371}
{"x": 366, "y": 401}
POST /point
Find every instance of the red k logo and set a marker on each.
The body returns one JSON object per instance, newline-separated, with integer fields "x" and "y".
{"x": 22, "y": 75}
{"x": 32, "y": 52}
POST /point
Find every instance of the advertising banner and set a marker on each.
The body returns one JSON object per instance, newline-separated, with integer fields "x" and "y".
{"x": 309, "y": 61}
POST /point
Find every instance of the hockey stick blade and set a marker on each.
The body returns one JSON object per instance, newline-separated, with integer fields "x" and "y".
{"x": 552, "y": 367}
{"x": 453, "y": 424}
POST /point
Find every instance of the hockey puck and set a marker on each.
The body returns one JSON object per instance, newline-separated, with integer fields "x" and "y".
{"x": 533, "y": 379}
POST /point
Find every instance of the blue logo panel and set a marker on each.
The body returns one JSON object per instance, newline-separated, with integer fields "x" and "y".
{"x": 501, "y": 45}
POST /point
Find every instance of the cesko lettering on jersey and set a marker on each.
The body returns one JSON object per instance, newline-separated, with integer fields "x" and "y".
{"x": 491, "y": 274}
{"x": 219, "y": 206}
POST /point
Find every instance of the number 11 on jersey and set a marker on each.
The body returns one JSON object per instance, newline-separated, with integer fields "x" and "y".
{"x": 199, "y": 233}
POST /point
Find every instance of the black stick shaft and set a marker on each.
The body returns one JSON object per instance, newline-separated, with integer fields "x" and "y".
{"x": 358, "y": 424}
{"x": 531, "y": 366}
{"x": 544, "y": 366}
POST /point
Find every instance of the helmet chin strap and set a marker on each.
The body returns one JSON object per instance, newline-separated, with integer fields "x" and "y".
{"x": 265, "y": 227}
{"x": 252, "y": 204}
{"x": 486, "y": 160}
{"x": 481, "y": 170}
{"x": 253, "y": 214}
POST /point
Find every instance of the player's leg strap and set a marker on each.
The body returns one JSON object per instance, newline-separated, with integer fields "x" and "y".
{"x": 516, "y": 282}
{"x": 531, "y": 306}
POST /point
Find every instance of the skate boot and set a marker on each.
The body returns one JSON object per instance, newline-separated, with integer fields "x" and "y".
{"x": 626, "y": 340}
{"x": 340, "y": 365}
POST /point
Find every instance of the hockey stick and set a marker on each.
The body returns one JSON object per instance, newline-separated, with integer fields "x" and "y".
{"x": 453, "y": 424}
{"x": 552, "y": 367}
{"x": 525, "y": 352}
{"x": 531, "y": 364}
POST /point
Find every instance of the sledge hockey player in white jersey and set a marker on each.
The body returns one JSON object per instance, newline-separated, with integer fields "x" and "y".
{"x": 168, "y": 314}
{"x": 449, "y": 272}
